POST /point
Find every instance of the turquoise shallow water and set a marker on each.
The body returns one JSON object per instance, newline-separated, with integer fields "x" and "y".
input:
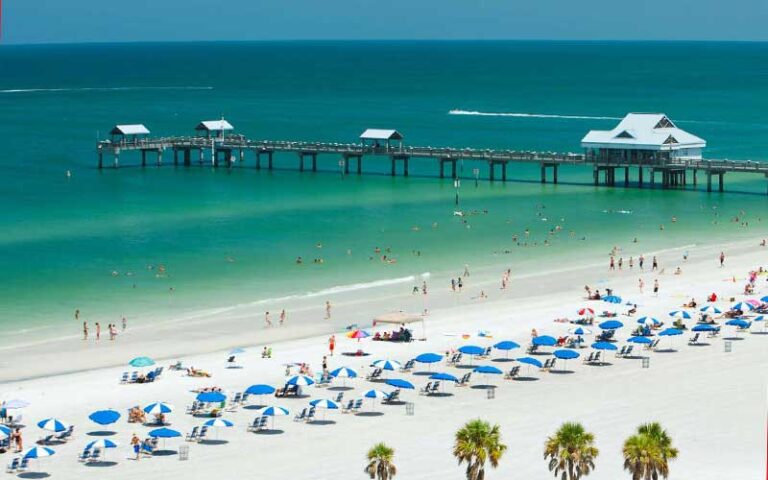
{"x": 228, "y": 237}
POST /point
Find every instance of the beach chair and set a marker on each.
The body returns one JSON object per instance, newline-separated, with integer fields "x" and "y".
{"x": 455, "y": 359}
{"x": 532, "y": 349}
{"x": 23, "y": 465}
{"x": 548, "y": 364}
{"x": 486, "y": 353}
{"x": 408, "y": 366}
{"x": 464, "y": 380}
{"x": 66, "y": 435}
{"x": 513, "y": 372}
{"x": 598, "y": 358}
{"x": 590, "y": 358}
{"x": 628, "y": 353}
{"x": 745, "y": 328}
{"x": 694, "y": 340}
{"x": 427, "y": 388}
{"x": 310, "y": 415}
{"x": 325, "y": 380}
{"x": 340, "y": 397}
{"x": 134, "y": 377}
{"x": 348, "y": 407}
{"x": 13, "y": 465}
{"x": 393, "y": 397}
{"x": 238, "y": 398}
{"x": 358, "y": 405}
{"x": 622, "y": 352}
{"x": 376, "y": 373}
{"x": 434, "y": 389}
{"x": 46, "y": 440}
{"x": 84, "y": 455}
{"x": 245, "y": 398}
{"x": 262, "y": 423}
{"x": 158, "y": 372}
{"x": 95, "y": 455}
{"x": 301, "y": 416}
{"x": 192, "y": 436}
{"x": 253, "y": 426}
{"x": 125, "y": 377}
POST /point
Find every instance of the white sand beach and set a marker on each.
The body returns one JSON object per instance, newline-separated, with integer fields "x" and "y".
{"x": 712, "y": 402}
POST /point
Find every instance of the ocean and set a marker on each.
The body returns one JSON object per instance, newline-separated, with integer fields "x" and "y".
{"x": 158, "y": 243}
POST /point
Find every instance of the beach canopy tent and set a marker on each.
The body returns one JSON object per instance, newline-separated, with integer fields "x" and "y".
{"x": 215, "y": 128}
{"x": 374, "y": 137}
{"x": 401, "y": 318}
{"x": 128, "y": 132}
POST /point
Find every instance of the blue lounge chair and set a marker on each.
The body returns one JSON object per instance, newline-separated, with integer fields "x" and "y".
{"x": 13, "y": 465}
{"x": 192, "y": 436}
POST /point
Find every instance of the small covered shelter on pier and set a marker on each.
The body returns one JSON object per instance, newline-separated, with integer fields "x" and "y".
{"x": 214, "y": 128}
{"x": 127, "y": 133}
{"x": 377, "y": 137}
{"x": 642, "y": 139}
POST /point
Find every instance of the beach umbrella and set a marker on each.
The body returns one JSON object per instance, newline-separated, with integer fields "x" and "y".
{"x": 566, "y": 354}
{"x": 158, "y": 407}
{"x": 237, "y": 351}
{"x": 358, "y": 334}
{"x": 640, "y": 340}
{"x": 140, "y": 362}
{"x": 506, "y": 345}
{"x": 343, "y": 372}
{"x": 530, "y": 361}
{"x": 670, "y": 332}
{"x": 743, "y": 306}
{"x": 611, "y": 299}
{"x": 680, "y": 314}
{"x": 164, "y": 433}
{"x": 211, "y": 397}
{"x": 300, "y": 381}
{"x": 611, "y": 325}
{"x": 15, "y": 404}
{"x": 754, "y": 302}
{"x": 5, "y": 432}
{"x": 39, "y": 452}
{"x": 579, "y": 331}
{"x": 104, "y": 417}
{"x": 324, "y": 403}
{"x": 53, "y": 425}
{"x": 604, "y": 346}
{"x": 764, "y": 299}
{"x": 443, "y": 376}
{"x": 739, "y": 323}
{"x": 428, "y": 358}
{"x": 274, "y": 412}
{"x": 399, "y": 383}
{"x": 585, "y": 312}
{"x": 759, "y": 318}
{"x": 219, "y": 423}
{"x": 102, "y": 443}
{"x": 375, "y": 394}
{"x": 487, "y": 370}
{"x": 711, "y": 309}
{"x": 471, "y": 350}
{"x": 544, "y": 341}
{"x": 387, "y": 364}
{"x": 260, "y": 389}
{"x": 705, "y": 327}
{"x": 648, "y": 321}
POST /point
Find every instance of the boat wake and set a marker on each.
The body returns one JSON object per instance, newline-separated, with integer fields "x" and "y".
{"x": 100, "y": 89}
{"x": 527, "y": 115}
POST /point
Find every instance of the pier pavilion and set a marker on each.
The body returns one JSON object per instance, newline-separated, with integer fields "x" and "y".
{"x": 214, "y": 128}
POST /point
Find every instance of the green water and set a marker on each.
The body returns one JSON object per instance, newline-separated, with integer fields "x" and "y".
{"x": 95, "y": 241}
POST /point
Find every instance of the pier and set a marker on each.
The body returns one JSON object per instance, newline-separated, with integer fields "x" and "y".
{"x": 218, "y": 147}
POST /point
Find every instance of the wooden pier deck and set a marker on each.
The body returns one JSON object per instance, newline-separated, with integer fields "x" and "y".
{"x": 232, "y": 150}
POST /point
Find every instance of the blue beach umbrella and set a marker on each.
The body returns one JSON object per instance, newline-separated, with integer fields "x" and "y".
{"x": 530, "y": 361}
{"x": 5, "y": 432}
{"x": 506, "y": 345}
{"x": 158, "y": 407}
{"x": 759, "y": 318}
{"x": 680, "y": 314}
{"x": 604, "y": 346}
{"x": 670, "y": 332}
{"x": 101, "y": 444}
{"x": 343, "y": 372}
{"x": 743, "y": 306}
{"x": 211, "y": 397}
{"x": 164, "y": 433}
{"x": 471, "y": 350}
{"x": 488, "y": 370}
{"x": 391, "y": 365}
{"x": 612, "y": 299}
{"x": 580, "y": 331}
{"x": 104, "y": 417}
{"x": 140, "y": 362}
{"x": 705, "y": 327}
{"x": 764, "y": 299}
{"x": 237, "y": 351}
{"x": 219, "y": 422}
{"x": 375, "y": 394}
{"x": 711, "y": 309}
{"x": 260, "y": 389}
{"x": 737, "y": 322}
{"x": 611, "y": 325}
{"x": 640, "y": 340}
{"x": 443, "y": 376}
{"x": 39, "y": 452}
{"x": 648, "y": 321}
{"x": 566, "y": 354}
{"x": 428, "y": 358}
{"x": 324, "y": 403}
{"x": 53, "y": 425}
{"x": 300, "y": 381}
{"x": 545, "y": 341}
{"x": 399, "y": 383}
{"x": 274, "y": 412}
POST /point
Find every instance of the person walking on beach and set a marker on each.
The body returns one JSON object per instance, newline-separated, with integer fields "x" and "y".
{"x": 327, "y": 310}
{"x": 631, "y": 263}
{"x": 641, "y": 261}
{"x": 459, "y": 284}
{"x": 98, "y": 331}
{"x": 267, "y": 321}
{"x": 424, "y": 287}
{"x": 621, "y": 262}
{"x": 16, "y": 438}
{"x": 125, "y": 323}
{"x": 325, "y": 364}
{"x": 612, "y": 264}
{"x": 654, "y": 264}
{"x": 282, "y": 317}
{"x": 85, "y": 330}
{"x": 466, "y": 270}
{"x": 722, "y": 259}
{"x": 332, "y": 344}
{"x": 136, "y": 445}
{"x": 641, "y": 284}
{"x": 77, "y": 314}
{"x": 656, "y": 287}
{"x": 453, "y": 284}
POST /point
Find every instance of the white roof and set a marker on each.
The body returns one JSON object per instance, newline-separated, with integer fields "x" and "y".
{"x": 380, "y": 134}
{"x": 214, "y": 125}
{"x": 137, "y": 129}
{"x": 646, "y": 131}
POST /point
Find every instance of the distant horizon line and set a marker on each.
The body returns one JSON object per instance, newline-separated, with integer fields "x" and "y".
{"x": 380, "y": 41}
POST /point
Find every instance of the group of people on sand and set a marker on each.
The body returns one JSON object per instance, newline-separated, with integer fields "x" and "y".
{"x": 111, "y": 328}
{"x": 268, "y": 319}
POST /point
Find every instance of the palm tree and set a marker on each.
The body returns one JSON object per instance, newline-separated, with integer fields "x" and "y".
{"x": 571, "y": 451}
{"x": 647, "y": 453}
{"x": 380, "y": 464}
{"x": 476, "y": 443}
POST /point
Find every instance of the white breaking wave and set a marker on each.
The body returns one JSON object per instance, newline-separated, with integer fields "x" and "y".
{"x": 99, "y": 89}
{"x": 527, "y": 115}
